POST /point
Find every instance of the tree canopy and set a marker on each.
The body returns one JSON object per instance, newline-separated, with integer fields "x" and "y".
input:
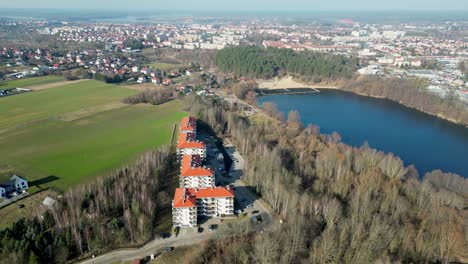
{"x": 257, "y": 62}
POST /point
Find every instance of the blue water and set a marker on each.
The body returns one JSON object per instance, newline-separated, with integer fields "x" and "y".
{"x": 420, "y": 139}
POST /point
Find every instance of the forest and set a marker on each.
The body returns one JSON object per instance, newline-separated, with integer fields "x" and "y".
{"x": 340, "y": 204}
{"x": 257, "y": 62}
{"x": 122, "y": 209}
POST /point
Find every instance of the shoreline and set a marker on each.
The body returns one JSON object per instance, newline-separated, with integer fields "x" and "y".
{"x": 280, "y": 84}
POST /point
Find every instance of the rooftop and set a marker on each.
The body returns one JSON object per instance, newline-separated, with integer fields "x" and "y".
{"x": 191, "y": 167}
{"x": 187, "y": 140}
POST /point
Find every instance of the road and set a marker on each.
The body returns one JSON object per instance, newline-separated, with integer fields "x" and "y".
{"x": 153, "y": 247}
{"x": 191, "y": 236}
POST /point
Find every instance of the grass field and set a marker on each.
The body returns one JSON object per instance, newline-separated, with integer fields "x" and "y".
{"x": 165, "y": 66}
{"x": 30, "y": 81}
{"x": 78, "y": 136}
{"x": 27, "y": 107}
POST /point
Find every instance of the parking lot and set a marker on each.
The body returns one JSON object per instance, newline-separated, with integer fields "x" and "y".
{"x": 246, "y": 201}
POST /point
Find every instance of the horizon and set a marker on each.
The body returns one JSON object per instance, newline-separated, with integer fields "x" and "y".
{"x": 244, "y": 5}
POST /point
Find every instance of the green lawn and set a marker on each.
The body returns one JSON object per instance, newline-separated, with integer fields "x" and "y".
{"x": 64, "y": 152}
{"x": 30, "y": 81}
{"x": 72, "y": 152}
{"x": 49, "y": 103}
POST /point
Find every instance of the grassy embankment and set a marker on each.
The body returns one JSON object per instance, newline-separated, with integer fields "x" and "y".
{"x": 66, "y": 135}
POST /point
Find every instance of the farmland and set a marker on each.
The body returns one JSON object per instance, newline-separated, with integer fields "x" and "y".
{"x": 30, "y": 81}
{"x": 63, "y": 136}
{"x": 50, "y": 103}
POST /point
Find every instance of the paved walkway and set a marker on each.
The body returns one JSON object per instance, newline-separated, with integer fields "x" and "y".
{"x": 13, "y": 199}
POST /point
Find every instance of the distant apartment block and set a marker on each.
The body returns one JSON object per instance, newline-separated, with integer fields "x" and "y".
{"x": 190, "y": 203}
{"x": 188, "y": 124}
{"x": 187, "y": 143}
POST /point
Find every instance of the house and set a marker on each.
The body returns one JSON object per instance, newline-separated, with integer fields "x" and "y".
{"x": 135, "y": 69}
{"x": 190, "y": 203}
{"x": 16, "y": 184}
{"x": 167, "y": 82}
{"x": 156, "y": 80}
{"x": 145, "y": 70}
{"x": 141, "y": 79}
{"x": 194, "y": 175}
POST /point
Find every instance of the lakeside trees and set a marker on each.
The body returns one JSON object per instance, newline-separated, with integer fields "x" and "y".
{"x": 257, "y": 62}
{"x": 412, "y": 93}
{"x": 340, "y": 204}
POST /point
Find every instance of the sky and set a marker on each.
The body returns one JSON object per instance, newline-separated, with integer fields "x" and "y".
{"x": 242, "y": 5}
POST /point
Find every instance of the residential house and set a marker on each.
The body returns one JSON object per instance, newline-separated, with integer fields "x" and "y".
{"x": 16, "y": 184}
{"x": 167, "y": 82}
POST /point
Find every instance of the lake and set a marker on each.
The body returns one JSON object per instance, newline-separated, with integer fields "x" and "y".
{"x": 417, "y": 138}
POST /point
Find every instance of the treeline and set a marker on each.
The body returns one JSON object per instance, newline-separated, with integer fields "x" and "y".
{"x": 412, "y": 93}
{"x": 257, "y": 62}
{"x": 118, "y": 210}
{"x": 151, "y": 96}
{"x": 340, "y": 204}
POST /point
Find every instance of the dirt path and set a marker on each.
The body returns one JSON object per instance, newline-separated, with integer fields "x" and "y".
{"x": 52, "y": 85}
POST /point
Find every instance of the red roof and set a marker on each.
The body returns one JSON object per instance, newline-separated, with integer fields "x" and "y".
{"x": 187, "y": 140}
{"x": 187, "y": 197}
{"x": 214, "y": 192}
{"x": 188, "y": 123}
{"x": 191, "y": 167}
{"x": 183, "y": 198}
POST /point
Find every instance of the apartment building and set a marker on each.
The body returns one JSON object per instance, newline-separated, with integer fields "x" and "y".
{"x": 194, "y": 175}
{"x": 190, "y": 203}
{"x": 197, "y": 195}
{"x": 188, "y": 124}
{"x": 188, "y": 145}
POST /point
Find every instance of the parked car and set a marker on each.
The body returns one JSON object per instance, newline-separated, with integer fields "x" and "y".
{"x": 212, "y": 227}
{"x": 255, "y": 212}
{"x": 168, "y": 249}
{"x": 164, "y": 235}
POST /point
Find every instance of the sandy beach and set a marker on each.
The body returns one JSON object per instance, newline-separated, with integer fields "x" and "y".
{"x": 288, "y": 83}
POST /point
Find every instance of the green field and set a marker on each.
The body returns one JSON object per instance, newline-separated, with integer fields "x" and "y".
{"x": 28, "y": 107}
{"x": 165, "y": 66}
{"x": 63, "y": 152}
{"x": 30, "y": 81}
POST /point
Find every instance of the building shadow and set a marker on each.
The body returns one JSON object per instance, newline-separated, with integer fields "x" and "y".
{"x": 45, "y": 180}
{"x": 245, "y": 197}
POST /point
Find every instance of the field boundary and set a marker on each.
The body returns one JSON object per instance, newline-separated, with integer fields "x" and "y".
{"x": 173, "y": 133}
